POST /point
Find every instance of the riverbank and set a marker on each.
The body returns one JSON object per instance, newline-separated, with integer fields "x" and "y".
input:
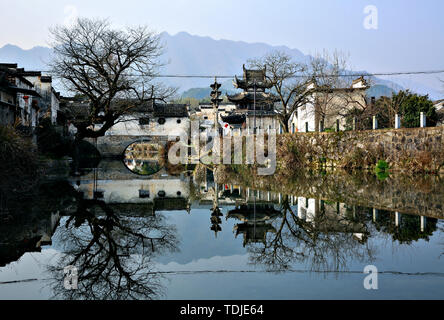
{"x": 22, "y": 166}
{"x": 408, "y": 150}
{"x": 19, "y": 164}
{"x": 410, "y": 194}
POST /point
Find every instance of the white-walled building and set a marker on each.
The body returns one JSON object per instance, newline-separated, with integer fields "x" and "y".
{"x": 326, "y": 106}
{"x": 49, "y": 98}
{"x": 159, "y": 120}
{"x": 18, "y": 91}
{"x": 439, "y": 106}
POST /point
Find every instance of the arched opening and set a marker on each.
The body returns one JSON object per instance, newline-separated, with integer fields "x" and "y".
{"x": 143, "y": 158}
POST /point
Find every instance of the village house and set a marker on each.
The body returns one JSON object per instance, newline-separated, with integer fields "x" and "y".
{"x": 439, "y": 106}
{"x": 255, "y": 107}
{"x": 206, "y": 114}
{"x": 49, "y": 101}
{"x": 154, "y": 120}
{"x": 8, "y": 100}
{"x": 143, "y": 119}
{"x": 19, "y": 99}
{"x": 327, "y": 106}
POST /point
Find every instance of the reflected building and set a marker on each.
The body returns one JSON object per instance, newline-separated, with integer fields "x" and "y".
{"x": 256, "y": 221}
{"x": 27, "y": 223}
{"x": 158, "y": 192}
{"x": 331, "y": 217}
{"x": 19, "y": 235}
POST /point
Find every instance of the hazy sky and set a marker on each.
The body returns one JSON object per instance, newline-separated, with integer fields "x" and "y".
{"x": 409, "y": 35}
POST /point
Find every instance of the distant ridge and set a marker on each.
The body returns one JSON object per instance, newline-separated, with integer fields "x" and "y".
{"x": 187, "y": 54}
{"x": 32, "y": 59}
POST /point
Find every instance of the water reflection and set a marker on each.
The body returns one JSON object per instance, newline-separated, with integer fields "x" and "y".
{"x": 143, "y": 158}
{"x": 113, "y": 226}
{"x": 113, "y": 249}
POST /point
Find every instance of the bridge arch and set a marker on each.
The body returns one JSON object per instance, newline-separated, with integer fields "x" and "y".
{"x": 114, "y": 146}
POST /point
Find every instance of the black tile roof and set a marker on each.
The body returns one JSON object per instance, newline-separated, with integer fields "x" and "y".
{"x": 170, "y": 110}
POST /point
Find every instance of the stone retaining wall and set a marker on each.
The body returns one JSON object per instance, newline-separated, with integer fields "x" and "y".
{"x": 419, "y": 149}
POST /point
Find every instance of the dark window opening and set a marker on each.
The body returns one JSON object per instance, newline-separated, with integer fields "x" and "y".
{"x": 161, "y": 121}
{"x": 143, "y": 194}
{"x": 144, "y": 121}
{"x": 98, "y": 194}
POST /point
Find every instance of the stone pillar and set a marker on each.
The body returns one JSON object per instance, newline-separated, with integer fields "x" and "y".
{"x": 375, "y": 123}
{"x": 397, "y": 121}
{"x": 280, "y": 198}
{"x": 422, "y": 120}
{"x": 354, "y": 123}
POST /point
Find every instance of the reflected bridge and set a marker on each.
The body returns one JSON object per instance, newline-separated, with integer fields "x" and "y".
{"x": 114, "y": 146}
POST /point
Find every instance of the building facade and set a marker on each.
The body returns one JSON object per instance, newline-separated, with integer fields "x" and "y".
{"x": 19, "y": 99}
{"x": 327, "y": 106}
{"x": 155, "y": 120}
{"x": 49, "y": 101}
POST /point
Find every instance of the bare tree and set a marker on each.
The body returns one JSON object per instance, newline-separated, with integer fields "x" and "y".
{"x": 289, "y": 82}
{"x": 329, "y": 76}
{"x": 113, "y": 69}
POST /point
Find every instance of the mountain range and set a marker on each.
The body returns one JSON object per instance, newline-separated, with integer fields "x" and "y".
{"x": 187, "y": 54}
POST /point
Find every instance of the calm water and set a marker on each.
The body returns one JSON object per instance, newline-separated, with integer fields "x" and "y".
{"x": 186, "y": 236}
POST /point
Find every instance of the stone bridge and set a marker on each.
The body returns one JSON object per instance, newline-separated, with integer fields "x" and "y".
{"x": 114, "y": 146}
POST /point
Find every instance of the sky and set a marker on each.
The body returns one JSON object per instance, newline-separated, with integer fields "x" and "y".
{"x": 408, "y": 36}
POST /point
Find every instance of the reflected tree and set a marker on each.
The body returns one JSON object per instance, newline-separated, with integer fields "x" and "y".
{"x": 113, "y": 253}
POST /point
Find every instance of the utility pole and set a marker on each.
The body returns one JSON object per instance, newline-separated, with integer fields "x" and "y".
{"x": 216, "y": 100}
{"x": 254, "y": 106}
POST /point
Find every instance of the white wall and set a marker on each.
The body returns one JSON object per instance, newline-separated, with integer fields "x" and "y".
{"x": 307, "y": 213}
{"x": 127, "y": 191}
{"x": 129, "y": 125}
{"x": 306, "y": 114}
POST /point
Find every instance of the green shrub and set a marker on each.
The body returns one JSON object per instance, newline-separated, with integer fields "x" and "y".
{"x": 381, "y": 166}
